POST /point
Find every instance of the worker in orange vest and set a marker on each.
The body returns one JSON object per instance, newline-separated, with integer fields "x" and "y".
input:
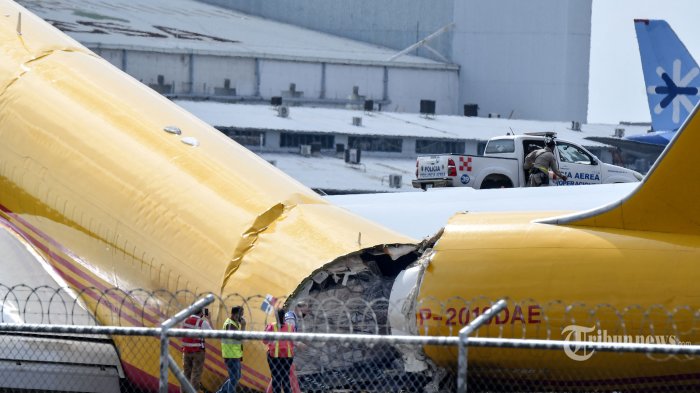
{"x": 193, "y": 350}
{"x": 280, "y": 354}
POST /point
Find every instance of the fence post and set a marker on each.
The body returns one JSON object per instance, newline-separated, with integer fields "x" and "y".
{"x": 164, "y": 343}
{"x": 464, "y": 334}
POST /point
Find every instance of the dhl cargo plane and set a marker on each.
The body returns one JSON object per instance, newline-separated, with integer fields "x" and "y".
{"x": 115, "y": 186}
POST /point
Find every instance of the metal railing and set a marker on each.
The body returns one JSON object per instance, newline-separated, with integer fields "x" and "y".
{"x": 340, "y": 355}
{"x": 166, "y": 361}
{"x": 462, "y": 343}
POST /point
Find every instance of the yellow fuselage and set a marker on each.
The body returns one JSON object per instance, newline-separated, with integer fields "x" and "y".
{"x": 630, "y": 283}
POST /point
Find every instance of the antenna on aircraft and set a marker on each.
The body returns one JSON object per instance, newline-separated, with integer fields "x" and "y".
{"x": 19, "y": 23}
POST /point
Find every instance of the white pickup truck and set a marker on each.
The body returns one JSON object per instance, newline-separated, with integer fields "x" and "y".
{"x": 501, "y": 166}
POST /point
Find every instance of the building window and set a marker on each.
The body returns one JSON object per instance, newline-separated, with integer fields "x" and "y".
{"x": 244, "y": 137}
{"x": 295, "y": 139}
{"x": 368, "y": 143}
{"x": 434, "y": 146}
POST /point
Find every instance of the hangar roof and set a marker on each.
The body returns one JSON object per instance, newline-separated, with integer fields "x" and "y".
{"x": 188, "y": 26}
{"x": 339, "y": 121}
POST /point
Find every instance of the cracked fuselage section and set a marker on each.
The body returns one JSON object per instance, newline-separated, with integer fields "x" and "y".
{"x": 373, "y": 291}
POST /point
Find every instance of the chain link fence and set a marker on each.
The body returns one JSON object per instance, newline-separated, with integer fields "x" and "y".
{"x": 51, "y": 341}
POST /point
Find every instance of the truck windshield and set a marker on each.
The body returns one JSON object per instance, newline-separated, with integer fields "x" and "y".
{"x": 571, "y": 153}
{"x": 496, "y": 146}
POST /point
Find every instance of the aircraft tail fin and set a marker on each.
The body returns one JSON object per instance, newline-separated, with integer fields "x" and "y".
{"x": 666, "y": 200}
{"x": 671, "y": 76}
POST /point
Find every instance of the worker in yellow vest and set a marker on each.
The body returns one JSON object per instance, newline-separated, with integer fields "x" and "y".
{"x": 232, "y": 350}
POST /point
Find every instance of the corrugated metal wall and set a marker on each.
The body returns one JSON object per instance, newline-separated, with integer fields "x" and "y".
{"x": 395, "y": 24}
{"x": 530, "y": 58}
{"x": 260, "y": 79}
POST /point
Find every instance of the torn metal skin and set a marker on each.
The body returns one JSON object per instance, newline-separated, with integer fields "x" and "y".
{"x": 371, "y": 291}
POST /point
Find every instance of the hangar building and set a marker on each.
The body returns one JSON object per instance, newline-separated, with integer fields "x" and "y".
{"x": 512, "y": 59}
{"x": 519, "y": 59}
{"x": 185, "y": 48}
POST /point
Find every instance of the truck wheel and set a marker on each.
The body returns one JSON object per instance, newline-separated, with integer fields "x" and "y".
{"x": 496, "y": 181}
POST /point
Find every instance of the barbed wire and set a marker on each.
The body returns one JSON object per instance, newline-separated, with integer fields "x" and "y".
{"x": 334, "y": 313}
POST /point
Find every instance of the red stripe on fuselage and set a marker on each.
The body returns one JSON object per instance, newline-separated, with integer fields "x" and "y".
{"x": 71, "y": 265}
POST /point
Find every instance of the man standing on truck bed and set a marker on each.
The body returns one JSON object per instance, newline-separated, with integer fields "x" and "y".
{"x": 542, "y": 161}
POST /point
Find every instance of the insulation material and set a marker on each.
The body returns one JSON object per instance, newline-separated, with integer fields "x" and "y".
{"x": 343, "y": 298}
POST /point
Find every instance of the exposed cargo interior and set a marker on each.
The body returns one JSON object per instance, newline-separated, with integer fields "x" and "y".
{"x": 354, "y": 294}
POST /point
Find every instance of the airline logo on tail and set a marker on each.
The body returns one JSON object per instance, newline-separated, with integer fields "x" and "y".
{"x": 670, "y": 74}
{"x": 676, "y": 90}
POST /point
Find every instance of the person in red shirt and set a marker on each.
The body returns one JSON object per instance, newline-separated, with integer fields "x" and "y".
{"x": 280, "y": 354}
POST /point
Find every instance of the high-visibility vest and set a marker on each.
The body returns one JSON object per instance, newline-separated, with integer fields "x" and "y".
{"x": 230, "y": 348}
{"x": 192, "y": 344}
{"x": 277, "y": 348}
